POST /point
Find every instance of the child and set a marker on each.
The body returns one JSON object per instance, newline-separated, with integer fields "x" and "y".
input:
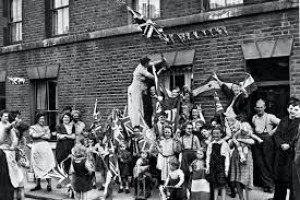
{"x": 82, "y": 170}
{"x": 100, "y": 165}
{"x": 241, "y": 173}
{"x": 167, "y": 148}
{"x": 217, "y": 162}
{"x": 207, "y": 138}
{"x": 142, "y": 176}
{"x": 173, "y": 188}
{"x": 200, "y": 186}
{"x": 125, "y": 159}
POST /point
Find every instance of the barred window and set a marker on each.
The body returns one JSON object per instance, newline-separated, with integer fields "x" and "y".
{"x": 149, "y": 8}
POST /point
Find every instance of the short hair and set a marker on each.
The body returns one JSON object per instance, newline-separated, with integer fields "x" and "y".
{"x": 3, "y": 111}
{"x": 261, "y": 100}
{"x": 294, "y": 101}
{"x": 169, "y": 127}
{"x": 38, "y": 116}
{"x": 217, "y": 128}
{"x": 63, "y": 114}
{"x": 144, "y": 60}
{"x": 187, "y": 123}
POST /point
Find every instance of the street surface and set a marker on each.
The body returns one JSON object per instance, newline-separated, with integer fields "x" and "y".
{"x": 59, "y": 194}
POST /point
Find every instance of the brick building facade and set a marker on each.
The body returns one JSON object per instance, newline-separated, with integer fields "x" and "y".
{"x": 95, "y": 54}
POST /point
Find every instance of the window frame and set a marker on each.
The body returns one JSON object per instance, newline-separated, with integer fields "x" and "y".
{"x": 51, "y": 18}
{"x": 11, "y": 23}
{"x": 136, "y": 7}
{"x": 47, "y": 111}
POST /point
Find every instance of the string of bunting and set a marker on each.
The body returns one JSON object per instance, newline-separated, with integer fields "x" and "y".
{"x": 184, "y": 37}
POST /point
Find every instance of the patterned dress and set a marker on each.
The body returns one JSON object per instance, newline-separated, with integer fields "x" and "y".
{"x": 242, "y": 172}
{"x": 42, "y": 157}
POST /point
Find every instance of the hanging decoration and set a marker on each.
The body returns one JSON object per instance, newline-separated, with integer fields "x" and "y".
{"x": 16, "y": 80}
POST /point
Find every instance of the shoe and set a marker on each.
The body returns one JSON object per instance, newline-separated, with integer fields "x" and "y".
{"x": 120, "y": 190}
{"x": 127, "y": 191}
{"x": 58, "y": 186}
{"x": 38, "y": 187}
{"x": 49, "y": 188}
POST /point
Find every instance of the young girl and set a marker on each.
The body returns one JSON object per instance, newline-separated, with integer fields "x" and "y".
{"x": 200, "y": 186}
{"x": 167, "y": 147}
{"x": 173, "y": 188}
{"x": 217, "y": 162}
{"x": 125, "y": 159}
{"x": 241, "y": 171}
{"x": 82, "y": 169}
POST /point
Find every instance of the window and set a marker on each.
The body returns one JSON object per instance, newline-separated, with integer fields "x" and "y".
{"x": 216, "y": 4}
{"x": 149, "y": 8}
{"x": 2, "y": 96}
{"x": 46, "y": 100}
{"x": 15, "y": 21}
{"x": 57, "y": 17}
{"x": 178, "y": 77}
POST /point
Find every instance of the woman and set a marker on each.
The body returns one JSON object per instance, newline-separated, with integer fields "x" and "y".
{"x": 65, "y": 141}
{"x": 138, "y": 87}
{"x": 42, "y": 157}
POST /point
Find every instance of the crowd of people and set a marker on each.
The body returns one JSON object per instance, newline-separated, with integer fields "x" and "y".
{"x": 187, "y": 157}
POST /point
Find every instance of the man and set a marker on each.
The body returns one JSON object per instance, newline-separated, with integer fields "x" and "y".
{"x": 265, "y": 125}
{"x": 11, "y": 175}
{"x": 190, "y": 144}
{"x": 284, "y": 136}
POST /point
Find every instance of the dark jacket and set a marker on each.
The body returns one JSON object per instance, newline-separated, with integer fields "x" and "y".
{"x": 286, "y": 133}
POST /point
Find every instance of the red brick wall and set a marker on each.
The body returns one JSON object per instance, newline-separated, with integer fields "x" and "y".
{"x": 103, "y": 68}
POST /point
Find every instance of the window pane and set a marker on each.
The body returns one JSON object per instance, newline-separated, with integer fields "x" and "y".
{"x": 217, "y": 4}
{"x": 52, "y": 95}
{"x": 2, "y": 89}
{"x": 16, "y": 11}
{"x": 2, "y": 103}
{"x": 16, "y": 32}
{"x": 65, "y": 20}
{"x": 59, "y": 21}
{"x": 65, "y": 2}
{"x": 51, "y": 120}
{"x": 41, "y": 95}
{"x": 154, "y": 9}
{"x": 234, "y": 2}
{"x": 57, "y": 3}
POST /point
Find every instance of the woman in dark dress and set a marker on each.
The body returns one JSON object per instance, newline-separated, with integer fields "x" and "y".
{"x": 65, "y": 140}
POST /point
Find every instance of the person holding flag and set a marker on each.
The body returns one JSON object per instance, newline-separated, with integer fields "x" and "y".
{"x": 238, "y": 99}
{"x": 138, "y": 88}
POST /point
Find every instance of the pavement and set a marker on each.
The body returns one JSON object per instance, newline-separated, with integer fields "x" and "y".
{"x": 62, "y": 194}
